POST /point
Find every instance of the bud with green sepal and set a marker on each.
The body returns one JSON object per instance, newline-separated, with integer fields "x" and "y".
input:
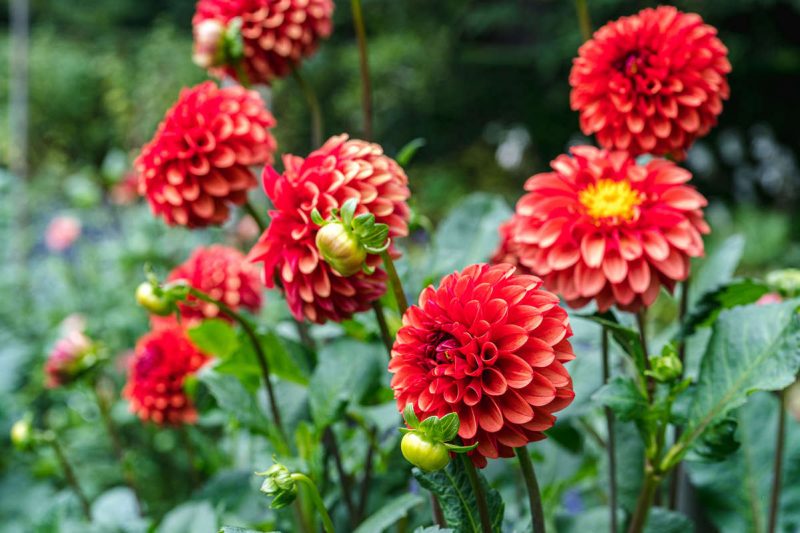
{"x": 160, "y": 299}
{"x": 666, "y": 367}
{"x": 281, "y": 485}
{"x": 427, "y": 444}
{"x": 23, "y": 436}
{"x": 344, "y": 240}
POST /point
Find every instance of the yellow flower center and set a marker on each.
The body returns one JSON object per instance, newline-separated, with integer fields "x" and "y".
{"x": 609, "y": 199}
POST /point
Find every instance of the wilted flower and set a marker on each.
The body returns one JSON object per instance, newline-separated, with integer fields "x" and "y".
{"x": 61, "y": 233}
{"x": 72, "y": 355}
{"x": 164, "y": 359}
{"x": 602, "y": 227}
{"x": 273, "y": 36}
{"x": 222, "y": 273}
{"x": 341, "y": 169}
{"x": 197, "y": 164}
{"x": 489, "y": 346}
{"x": 651, "y": 83}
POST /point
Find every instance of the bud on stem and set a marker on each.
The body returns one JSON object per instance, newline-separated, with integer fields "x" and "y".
{"x": 426, "y": 444}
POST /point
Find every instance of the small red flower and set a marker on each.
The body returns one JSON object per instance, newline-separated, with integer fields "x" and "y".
{"x": 602, "y": 227}
{"x": 276, "y": 34}
{"x": 222, "y": 273}
{"x": 490, "y": 346}
{"x": 651, "y": 83}
{"x": 163, "y": 360}
{"x": 341, "y": 169}
{"x": 197, "y": 163}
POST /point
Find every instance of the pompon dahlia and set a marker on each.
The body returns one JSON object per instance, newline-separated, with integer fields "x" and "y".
{"x": 490, "y": 346}
{"x": 276, "y": 35}
{"x": 198, "y": 162}
{"x": 602, "y": 227}
{"x": 224, "y": 274}
{"x": 341, "y": 169}
{"x": 162, "y": 361}
{"x": 651, "y": 83}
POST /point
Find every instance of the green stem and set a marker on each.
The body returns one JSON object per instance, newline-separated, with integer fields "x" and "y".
{"x": 675, "y": 479}
{"x": 584, "y": 21}
{"x": 72, "y": 480}
{"x": 534, "y": 495}
{"x": 104, "y": 406}
{"x": 248, "y": 207}
{"x": 263, "y": 363}
{"x": 366, "y": 83}
{"x": 611, "y": 447}
{"x": 314, "y": 108}
{"x": 327, "y": 523}
{"x": 641, "y": 321}
{"x": 344, "y": 479}
{"x": 386, "y": 336}
{"x": 643, "y": 503}
{"x": 394, "y": 279}
{"x": 777, "y": 469}
{"x": 187, "y": 444}
{"x": 438, "y": 515}
{"x": 477, "y": 489}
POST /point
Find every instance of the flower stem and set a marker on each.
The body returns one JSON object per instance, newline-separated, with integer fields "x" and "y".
{"x": 611, "y": 440}
{"x": 643, "y": 503}
{"x": 72, "y": 480}
{"x": 477, "y": 489}
{"x": 384, "y": 327}
{"x": 263, "y": 363}
{"x": 344, "y": 479}
{"x": 104, "y": 406}
{"x": 584, "y": 21}
{"x": 534, "y": 496}
{"x": 366, "y": 83}
{"x": 248, "y": 207}
{"x": 327, "y": 523}
{"x": 438, "y": 515}
{"x": 777, "y": 469}
{"x": 394, "y": 279}
{"x": 641, "y": 321}
{"x": 677, "y": 473}
{"x": 314, "y": 108}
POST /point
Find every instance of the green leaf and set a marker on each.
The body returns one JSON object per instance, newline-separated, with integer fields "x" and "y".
{"x": 627, "y": 338}
{"x": 448, "y": 427}
{"x": 717, "y": 269}
{"x": 283, "y": 356}
{"x": 469, "y": 233}
{"x": 709, "y": 305}
{"x": 662, "y": 520}
{"x": 390, "y": 513}
{"x": 410, "y": 416}
{"x": 718, "y": 441}
{"x": 215, "y": 337}
{"x": 451, "y": 486}
{"x": 347, "y": 370}
{"x": 755, "y": 347}
{"x": 624, "y": 398}
{"x": 433, "y": 529}
{"x": 408, "y": 151}
{"x": 190, "y": 517}
{"x": 232, "y": 529}
{"x": 235, "y": 400}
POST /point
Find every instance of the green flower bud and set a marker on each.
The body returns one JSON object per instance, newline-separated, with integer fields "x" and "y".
{"x": 22, "y": 434}
{"x": 154, "y": 299}
{"x": 340, "y": 249}
{"x": 421, "y": 452}
{"x": 426, "y": 443}
{"x": 280, "y": 485}
{"x": 666, "y": 368}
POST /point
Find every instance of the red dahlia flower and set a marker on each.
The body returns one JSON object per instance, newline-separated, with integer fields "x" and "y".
{"x": 163, "y": 360}
{"x": 651, "y": 83}
{"x": 489, "y": 346}
{"x": 276, "y": 35}
{"x": 222, "y": 273}
{"x": 197, "y": 163}
{"x": 341, "y": 169}
{"x": 602, "y": 227}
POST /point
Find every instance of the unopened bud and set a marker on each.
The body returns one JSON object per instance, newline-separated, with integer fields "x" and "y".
{"x": 666, "y": 368}
{"x": 279, "y": 485}
{"x": 340, "y": 249}
{"x": 208, "y": 43}
{"x": 22, "y": 434}
{"x": 154, "y": 299}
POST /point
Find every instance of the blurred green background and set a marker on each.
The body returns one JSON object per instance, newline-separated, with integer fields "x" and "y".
{"x": 483, "y": 82}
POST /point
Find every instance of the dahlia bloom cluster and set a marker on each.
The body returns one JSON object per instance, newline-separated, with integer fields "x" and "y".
{"x": 601, "y": 227}
{"x": 490, "y": 346}
{"x": 275, "y": 34}
{"x": 338, "y": 171}
{"x": 222, "y": 273}
{"x": 163, "y": 359}
{"x": 197, "y": 164}
{"x": 651, "y": 83}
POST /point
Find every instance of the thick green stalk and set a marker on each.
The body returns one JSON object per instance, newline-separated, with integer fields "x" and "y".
{"x": 363, "y": 59}
{"x": 643, "y": 503}
{"x": 394, "y": 279}
{"x": 314, "y": 109}
{"x": 386, "y": 336}
{"x": 327, "y": 523}
{"x": 534, "y": 495}
{"x": 477, "y": 489}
